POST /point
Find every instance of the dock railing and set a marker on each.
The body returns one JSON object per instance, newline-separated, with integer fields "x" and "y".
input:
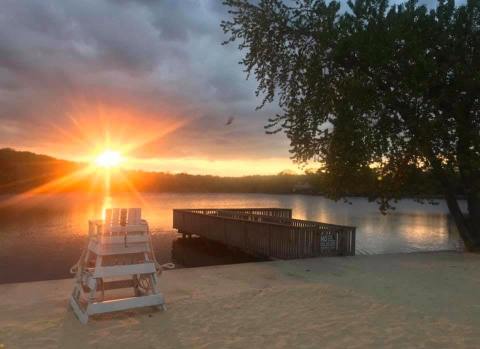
{"x": 267, "y": 232}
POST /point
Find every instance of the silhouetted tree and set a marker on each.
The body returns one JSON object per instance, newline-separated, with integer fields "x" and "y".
{"x": 393, "y": 89}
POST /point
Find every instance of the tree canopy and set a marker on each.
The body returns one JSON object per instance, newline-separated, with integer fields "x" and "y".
{"x": 393, "y": 88}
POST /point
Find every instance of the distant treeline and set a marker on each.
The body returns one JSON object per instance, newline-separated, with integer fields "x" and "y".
{"x": 23, "y": 171}
{"x": 166, "y": 182}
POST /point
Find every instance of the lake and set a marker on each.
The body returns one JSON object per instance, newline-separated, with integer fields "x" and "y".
{"x": 42, "y": 236}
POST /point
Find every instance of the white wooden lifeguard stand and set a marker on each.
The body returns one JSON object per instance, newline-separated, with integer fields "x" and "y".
{"x": 119, "y": 255}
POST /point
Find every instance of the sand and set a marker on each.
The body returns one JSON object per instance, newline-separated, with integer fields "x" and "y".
{"x": 421, "y": 300}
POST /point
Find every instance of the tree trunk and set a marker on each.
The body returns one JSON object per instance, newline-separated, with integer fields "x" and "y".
{"x": 468, "y": 226}
{"x": 473, "y": 220}
{"x": 468, "y": 232}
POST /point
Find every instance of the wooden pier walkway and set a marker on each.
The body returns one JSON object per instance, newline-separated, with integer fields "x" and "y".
{"x": 270, "y": 232}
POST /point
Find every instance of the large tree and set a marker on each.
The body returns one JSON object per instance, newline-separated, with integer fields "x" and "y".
{"x": 372, "y": 87}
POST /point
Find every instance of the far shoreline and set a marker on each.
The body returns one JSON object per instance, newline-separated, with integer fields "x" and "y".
{"x": 99, "y": 193}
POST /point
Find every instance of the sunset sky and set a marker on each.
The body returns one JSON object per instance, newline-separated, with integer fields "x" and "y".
{"x": 149, "y": 78}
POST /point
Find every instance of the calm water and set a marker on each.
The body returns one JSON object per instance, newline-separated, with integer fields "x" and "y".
{"x": 41, "y": 237}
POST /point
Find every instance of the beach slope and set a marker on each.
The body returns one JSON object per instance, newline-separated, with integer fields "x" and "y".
{"x": 427, "y": 300}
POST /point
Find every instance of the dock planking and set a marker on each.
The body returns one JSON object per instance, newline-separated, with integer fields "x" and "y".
{"x": 270, "y": 232}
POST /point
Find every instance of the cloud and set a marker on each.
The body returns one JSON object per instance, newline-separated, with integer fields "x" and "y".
{"x": 161, "y": 60}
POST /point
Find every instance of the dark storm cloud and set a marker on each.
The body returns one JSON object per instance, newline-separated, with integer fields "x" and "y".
{"x": 145, "y": 54}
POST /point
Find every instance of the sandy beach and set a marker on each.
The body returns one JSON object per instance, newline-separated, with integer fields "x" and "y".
{"x": 419, "y": 300}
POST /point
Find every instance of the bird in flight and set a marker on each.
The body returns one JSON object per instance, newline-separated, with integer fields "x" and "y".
{"x": 230, "y": 120}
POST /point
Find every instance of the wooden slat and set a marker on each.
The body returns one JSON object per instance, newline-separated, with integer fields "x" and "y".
{"x": 125, "y": 303}
{"x": 115, "y": 216}
{"x": 123, "y": 216}
{"x": 108, "y": 217}
{"x": 134, "y": 216}
{"x": 112, "y": 249}
{"x": 130, "y": 228}
{"x": 120, "y": 270}
{"x": 106, "y": 239}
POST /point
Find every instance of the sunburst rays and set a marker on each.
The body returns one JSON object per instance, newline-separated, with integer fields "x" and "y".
{"x": 98, "y": 128}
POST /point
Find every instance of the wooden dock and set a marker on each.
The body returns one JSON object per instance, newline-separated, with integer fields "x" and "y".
{"x": 270, "y": 232}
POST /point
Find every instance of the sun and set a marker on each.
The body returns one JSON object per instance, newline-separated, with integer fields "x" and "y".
{"x": 108, "y": 159}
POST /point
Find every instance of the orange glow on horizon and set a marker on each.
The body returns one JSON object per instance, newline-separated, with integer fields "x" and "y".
{"x": 139, "y": 136}
{"x": 95, "y": 128}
